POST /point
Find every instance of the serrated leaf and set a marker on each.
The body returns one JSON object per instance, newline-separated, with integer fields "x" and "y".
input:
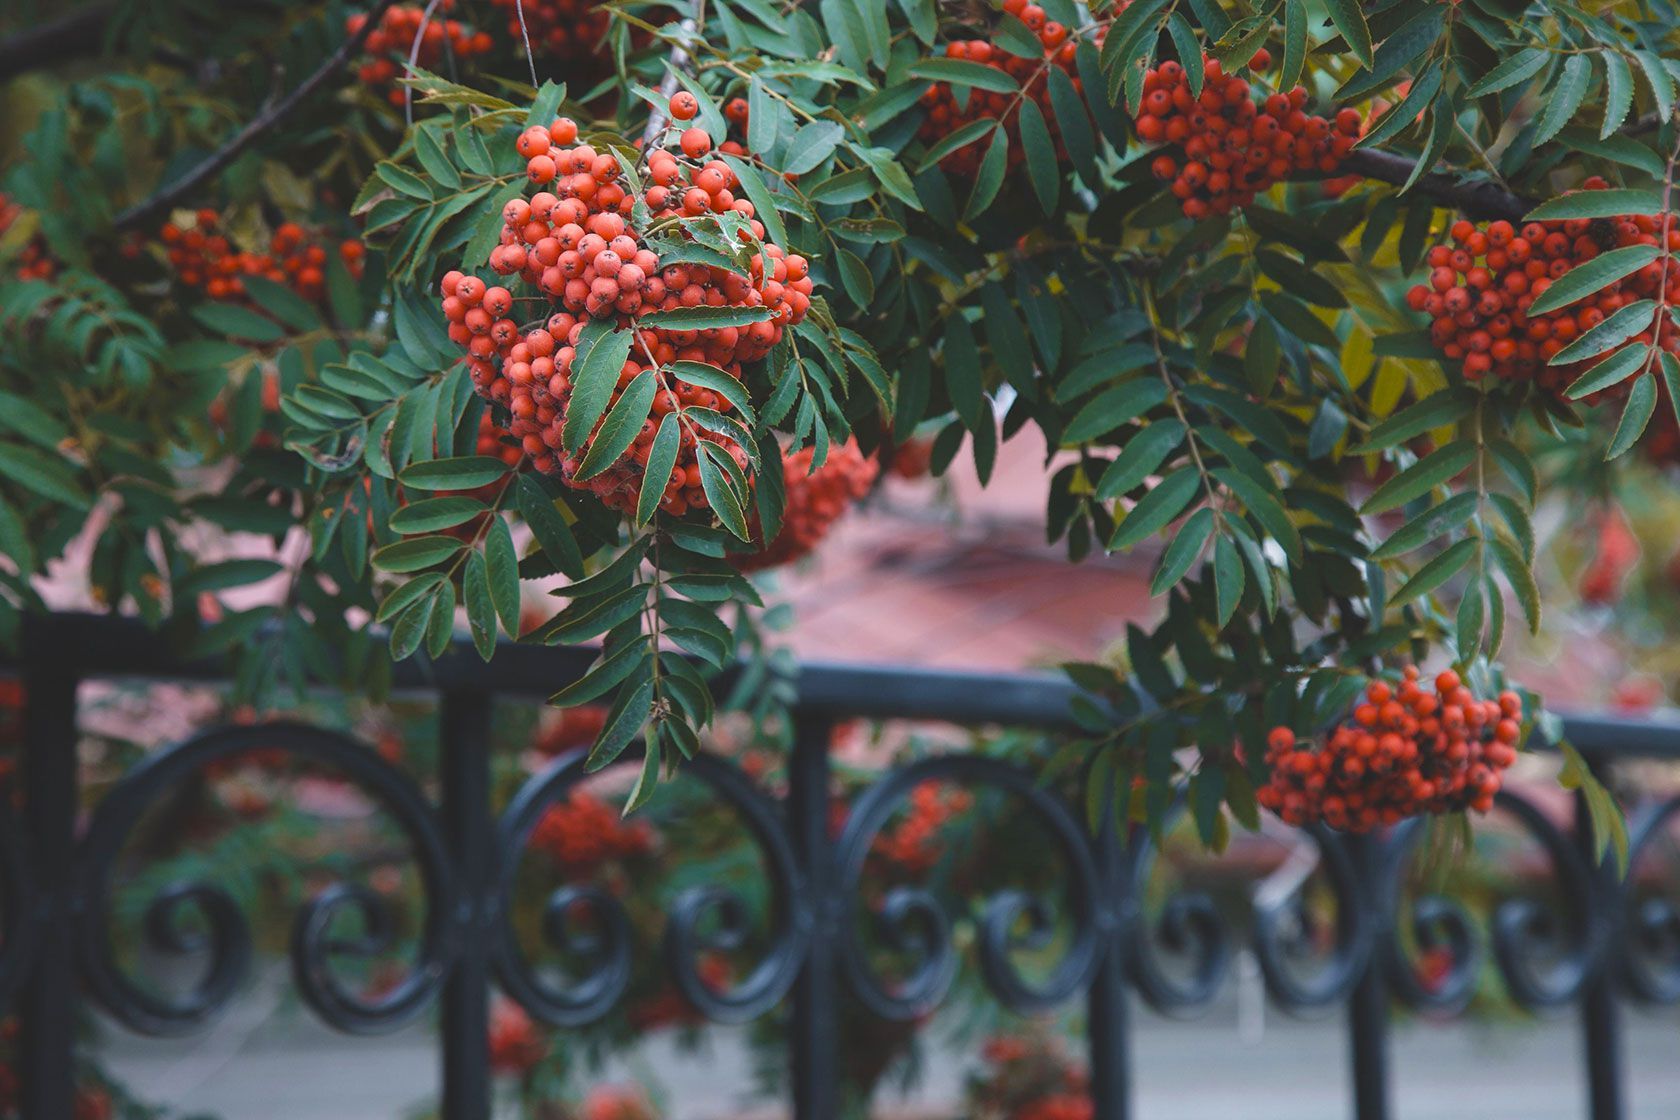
{"x": 1618, "y": 92}
{"x": 1521, "y": 579}
{"x": 501, "y": 567}
{"x": 705, "y": 318}
{"x": 1112, "y": 408}
{"x": 1622, "y": 325}
{"x": 1043, "y": 171}
{"x": 1611, "y": 203}
{"x": 1228, "y": 577}
{"x": 726, "y": 501}
{"x": 1438, "y": 571}
{"x": 1516, "y": 68}
{"x": 1421, "y": 477}
{"x": 600, "y": 356}
{"x": 1349, "y": 19}
{"x": 990, "y": 175}
{"x": 961, "y": 72}
{"x": 1564, "y": 98}
{"x": 621, "y": 427}
{"x": 1428, "y": 525}
{"x": 1186, "y": 546}
{"x": 1435, "y": 411}
{"x": 548, "y": 526}
{"x": 1661, "y": 82}
{"x": 1141, "y": 457}
{"x": 481, "y": 610}
{"x": 432, "y": 514}
{"x": 1641, "y": 403}
{"x": 416, "y": 553}
{"x": 662, "y": 458}
{"x": 467, "y": 472}
{"x": 623, "y": 722}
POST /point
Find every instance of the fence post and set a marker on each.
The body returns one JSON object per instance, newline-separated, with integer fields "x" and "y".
{"x": 1601, "y": 1028}
{"x": 1368, "y": 1006}
{"x": 1107, "y": 1033}
{"x": 469, "y": 830}
{"x": 48, "y": 1000}
{"x": 816, "y": 1035}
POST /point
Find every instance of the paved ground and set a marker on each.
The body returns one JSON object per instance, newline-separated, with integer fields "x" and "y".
{"x": 268, "y": 1061}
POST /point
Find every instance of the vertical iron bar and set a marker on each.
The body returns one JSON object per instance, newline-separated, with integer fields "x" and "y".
{"x": 48, "y": 1000}
{"x": 468, "y": 829}
{"x": 1601, "y": 1028}
{"x": 1368, "y": 1006}
{"x": 1108, "y": 1036}
{"x": 815, "y": 1040}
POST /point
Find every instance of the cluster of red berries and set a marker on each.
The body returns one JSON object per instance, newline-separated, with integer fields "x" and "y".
{"x": 1234, "y": 147}
{"x": 945, "y": 114}
{"x": 670, "y": 1008}
{"x": 570, "y": 728}
{"x": 1406, "y": 751}
{"x": 815, "y": 501}
{"x": 914, "y": 845}
{"x": 616, "y": 1102}
{"x": 1615, "y": 552}
{"x": 204, "y": 258}
{"x": 1029, "y": 1077}
{"x": 33, "y": 261}
{"x": 564, "y": 29}
{"x": 516, "y": 1043}
{"x": 583, "y": 832}
{"x": 1482, "y": 284}
{"x": 404, "y": 30}
{"x": 574, "y": 244}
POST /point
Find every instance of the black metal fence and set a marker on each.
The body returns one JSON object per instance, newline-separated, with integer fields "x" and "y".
{"x": 1609, "y": 940}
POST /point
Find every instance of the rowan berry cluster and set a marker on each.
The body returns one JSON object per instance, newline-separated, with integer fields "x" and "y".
{"x": 914, "y": 845}
{"x": 1232, "y": 146}
{"x": 815, "y": 501}
{"x": 564, "y": 29}
{"x": 583, "y": 832}
{"x": 516, "y": 1043}
{"x": 1483, "y": 282}
{"x": 946, "y": 112}
{"x": 203, "y": 257}
{"x": 616, "y": 1102}
{"x": 33, "y": 261}
{"x": 1405, "y": 751}
{"x": 1029, "y": 1077}
{"x": 574, "y": 244}
{"x": 404, "y": 30}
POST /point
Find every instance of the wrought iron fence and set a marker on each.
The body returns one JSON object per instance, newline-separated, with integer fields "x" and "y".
{"x": 1608, "y": 941}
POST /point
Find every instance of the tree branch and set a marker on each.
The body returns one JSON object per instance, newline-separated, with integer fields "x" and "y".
{"x": 167, "y": 197}
{"x": 47, "y": 44}
{"x": 1473, "y": 198}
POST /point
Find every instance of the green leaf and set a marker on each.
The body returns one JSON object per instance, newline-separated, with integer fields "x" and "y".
{"x": 953, "y": 141}
{"x": 1421, "y": 477}
{"x": 962, "y": 371}
{"x": 1585, "y": 279}
{"x": 434, "y": 159}
{"x": 1564, "y": 98}
{"x": 704, "y": 318}
{"x": 548, "y": 526}
{"x": 404, "y": 595}
{"x": 719, "y": 381}
{"x": 1156, "y": 509}
{"x": 1228, "y": 578}
{"x": 1622, "y": 325}
{"x": 1618, "y": 92}
{"x": 1349, "y": 19}
{"x": 1074, "y": 125}
{"x": 234, "y": 321}
{"x": 1112, "y": 408}
{"x": 1521, "y": 579}
{"x": 481, "y": 611}
{"x": 623, "y": 722}
{"x": 1182, "y": 552}
{"x": 1641, "y": 403}
{"x": 1428, "y": 525}
{"x": 961, "y": 72}
{"x": 32, "y": 422}
{"x": 467, "y": 472}
{"x": 662, "y": 457}
{"x": 1438, "y": 571}
{"x": 600, "y": 356}
{"x": 726, "y": 500}
{"x": 283, "y": 303}
{"x": 990, "y": 176}
{"x": 501, "y": 566}
{"x": 1043, "y": 170}
{"x": 622, "y": 426}
{"x": 225, "y": 574}
{"x": 1597, "y": 204}
{"x": 416, "y": 553}
{"x": 1516, "y": 68}
{"x": 810, "y": 145}
{"x": 432, "y": 514}
{"x": 1434, "y": 411}
{"x": 410, "y": 628}
{"x": 1265, "y": 508}
{"x": 1661, "y": 81}
{"x": 48, "y": 475}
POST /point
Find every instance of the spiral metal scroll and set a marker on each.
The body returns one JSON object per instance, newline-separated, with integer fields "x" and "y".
{"x": 1546, "y": 955}
{"x": 608, "y": 946}
{"x": 1437, "y": 923}
{"x": 222, "y": 933}
{"x": 913, "y": 921}
{"x": 1280, "y": 930}
{"x": 1649, "y": 959}
{"x": 1189, "y": 924}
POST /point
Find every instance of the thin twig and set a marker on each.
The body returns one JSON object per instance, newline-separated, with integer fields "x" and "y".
{"x": 46, "y": 44}
{"x": 163, "y": 200}
{"x": 413, "y": 58}
{"x": 525, "y": 36}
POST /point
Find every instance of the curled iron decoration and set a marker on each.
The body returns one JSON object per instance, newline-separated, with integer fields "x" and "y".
{"x": 911, "y": 919}
{"x": 1438, "y": 925}
{"x": 606, "y": 941}
{"x": 1189, "y": 924}
{"x": 1283, "y": 927}
{"x": 1546, "y": 954}
{"x": 202, "y": 918}
{"x": 1649, "y": 960}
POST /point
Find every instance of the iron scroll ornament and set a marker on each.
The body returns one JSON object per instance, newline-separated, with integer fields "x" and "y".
{"x": 225, "y": 935}
{"x": 609, "y": 946}
{"x": 1649, "y": 956}
{"x": 913, "y": 921}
